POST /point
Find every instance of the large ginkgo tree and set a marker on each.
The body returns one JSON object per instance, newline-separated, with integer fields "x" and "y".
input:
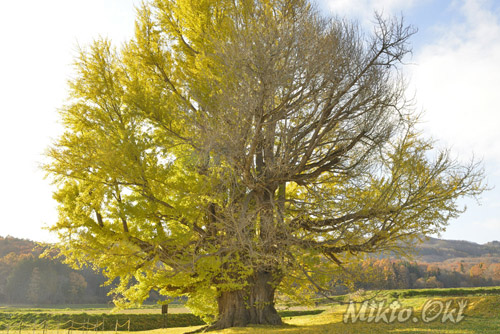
{"x": 236, "y": 150}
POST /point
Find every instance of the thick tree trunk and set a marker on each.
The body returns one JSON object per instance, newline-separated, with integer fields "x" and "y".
{"x": 253, "y": 305}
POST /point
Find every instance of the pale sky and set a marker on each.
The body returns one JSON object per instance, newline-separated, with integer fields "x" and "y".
{"x": 454, "y": 73}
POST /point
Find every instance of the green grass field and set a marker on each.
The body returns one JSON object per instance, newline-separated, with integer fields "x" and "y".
{"x": 481, "y": 316}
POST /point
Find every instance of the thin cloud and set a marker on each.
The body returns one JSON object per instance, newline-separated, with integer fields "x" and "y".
{"x": 364, "y": 10}
{"x": 456, "y": 81}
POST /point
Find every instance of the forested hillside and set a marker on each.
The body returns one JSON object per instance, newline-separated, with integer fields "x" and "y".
{"x": 27, "y": 279}
{"x": 437, "y": 250}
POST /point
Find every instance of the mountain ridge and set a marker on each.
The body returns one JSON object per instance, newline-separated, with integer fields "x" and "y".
{"x": 431, "y": 250}
{"x": 443, "y": 250}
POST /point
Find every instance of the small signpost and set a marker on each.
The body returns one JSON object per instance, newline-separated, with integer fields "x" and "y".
{"x": 164, "y": 311}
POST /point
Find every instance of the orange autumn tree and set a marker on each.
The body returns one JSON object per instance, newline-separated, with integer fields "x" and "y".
{"x": 236, "y": 149}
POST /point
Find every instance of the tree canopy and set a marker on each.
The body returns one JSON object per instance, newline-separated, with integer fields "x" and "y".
{"x": 235, "y": 149}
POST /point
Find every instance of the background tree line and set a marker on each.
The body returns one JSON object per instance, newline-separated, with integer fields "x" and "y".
{"x": 401, "y": 274}
{"x": 25, "y": 278}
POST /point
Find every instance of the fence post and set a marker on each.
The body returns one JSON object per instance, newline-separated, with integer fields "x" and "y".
{"x": 128, "y": 327}
{"x": 20, "y": 326}
{"x": 164, "y": 311}
{"x": 116, "y": 326}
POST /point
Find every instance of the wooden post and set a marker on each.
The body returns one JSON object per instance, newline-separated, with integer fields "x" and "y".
{"x": 116, "y": 326}
{"x": 20, "y": 326}
{"x": 164, "y": 311}
{"x": 128, "y": 327}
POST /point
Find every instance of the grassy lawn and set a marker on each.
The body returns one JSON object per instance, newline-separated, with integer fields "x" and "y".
{"x": 481, "y": 316}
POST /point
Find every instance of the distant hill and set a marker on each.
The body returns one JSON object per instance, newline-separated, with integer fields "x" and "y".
{"x": 439, "y": 250}
{"x": 432, "y": 250}
{"x": 27, "y": 279}
{"x": 17, "y": 246}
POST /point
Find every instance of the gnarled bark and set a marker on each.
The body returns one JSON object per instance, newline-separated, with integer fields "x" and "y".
{"x": 252, "y": 305}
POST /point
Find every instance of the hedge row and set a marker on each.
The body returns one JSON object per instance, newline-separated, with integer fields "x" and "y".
{"x": 138, "y": 322}
{"x": 454, "y": 292}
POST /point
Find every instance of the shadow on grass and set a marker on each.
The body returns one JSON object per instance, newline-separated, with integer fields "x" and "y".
{"x": 472, "y": 327}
